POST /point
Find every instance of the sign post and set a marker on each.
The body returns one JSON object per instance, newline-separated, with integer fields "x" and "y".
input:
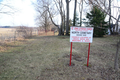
{"x": 70, "y": 54}
{"x": 83, "y": 35}
{"x": 88, "y": 55}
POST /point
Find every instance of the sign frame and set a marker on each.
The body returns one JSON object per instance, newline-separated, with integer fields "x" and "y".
{"x": 81, "y": 34}
{"x": 84, "y": 39}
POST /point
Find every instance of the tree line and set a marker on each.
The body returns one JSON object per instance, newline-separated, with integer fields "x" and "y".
{"x": 49, "y": 9}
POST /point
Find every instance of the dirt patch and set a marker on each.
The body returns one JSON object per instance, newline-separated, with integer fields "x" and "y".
{"x": 114, "y": 45}
{"x": 66, "y": 56}
{"x": 66, "y": 37}
{"x": 72, "y": 64}
{"x": 63, "y": 38}
{"x": 90, "y": 79}
{"x": 74, "y": 56}
{"x": 77, "y": 59}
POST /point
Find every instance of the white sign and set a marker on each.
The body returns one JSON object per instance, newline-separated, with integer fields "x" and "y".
{"x": 81, "y": 34}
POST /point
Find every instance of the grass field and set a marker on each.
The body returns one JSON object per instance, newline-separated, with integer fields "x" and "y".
{"x": 47, "y": 58}
{"x": 7, "y": 31}
{"x": 11, "y": 31}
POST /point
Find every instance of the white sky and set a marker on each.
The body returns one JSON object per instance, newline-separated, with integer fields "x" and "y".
{"x": 26, "y": 13}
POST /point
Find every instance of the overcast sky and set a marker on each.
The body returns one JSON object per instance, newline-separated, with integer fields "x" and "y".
{"x": 26, "y": 13}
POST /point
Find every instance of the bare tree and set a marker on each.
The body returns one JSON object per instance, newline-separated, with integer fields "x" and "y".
{"x": 60, "y": 7}
{"x": 49, "y": 9}
{"x": 7, "y": 9}
{"x": 102, "y": 4}
{"x": 45, "y": 21}
{"x": 43, "y": 17}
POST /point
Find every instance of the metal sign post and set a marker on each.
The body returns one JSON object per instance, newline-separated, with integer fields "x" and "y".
{"x": 70, "y": 54}
{"x": 88, "y": 55}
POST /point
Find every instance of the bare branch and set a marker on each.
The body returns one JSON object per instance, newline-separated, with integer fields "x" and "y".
{"x": 52, "y": 19}
{"x": 57, "y": 6}
{"x": 106, "y": 11}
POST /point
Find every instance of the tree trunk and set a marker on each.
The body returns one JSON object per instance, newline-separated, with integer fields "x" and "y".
{"x": 64, "y": 21}
{"x": 111, "y": 32}
{"x": 117, "y": 23}
{"x": 81, "y": 14}
{"x": 61, "y": 13}
{"x": 116, "y": 56}
{"x": 74, "y": 13}
{"x": 59, "y": 32}
{"x": 67, "y": 23}
{"x": 117, "y": 27}
{"x": 62, "y": 25}
{"x": 45, "y": 22}
{"x": 59, "y": 29}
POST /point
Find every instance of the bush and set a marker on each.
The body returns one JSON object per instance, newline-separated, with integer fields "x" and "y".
{"x": 26, "y": 32}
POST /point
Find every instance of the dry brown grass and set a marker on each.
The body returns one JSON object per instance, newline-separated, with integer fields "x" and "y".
{"x": 47, "y": 58}
{"x": 11, "y": 32}
{"x": 7, "y": 31}
{"x": 50, "y": 33}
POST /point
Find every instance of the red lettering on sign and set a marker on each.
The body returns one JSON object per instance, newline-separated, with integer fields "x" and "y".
{"x": 89, "y": 28}
{"x": 82, "y": 39}
{"x": 83, "y": 29}
{"x": 87, "y": 40}
{"x": 80, "y": 29}
{"x": 76, "y": 28}
{"x": 75, "y": 38}
{"x": 72, "y": 28}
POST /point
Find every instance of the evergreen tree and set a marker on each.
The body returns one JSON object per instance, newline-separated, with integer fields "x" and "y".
{"x": 97, "y": 20}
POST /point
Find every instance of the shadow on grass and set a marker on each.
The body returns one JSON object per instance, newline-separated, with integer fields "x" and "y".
{"x": 44, "y": 37}
{"x": 9, "y": 45}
